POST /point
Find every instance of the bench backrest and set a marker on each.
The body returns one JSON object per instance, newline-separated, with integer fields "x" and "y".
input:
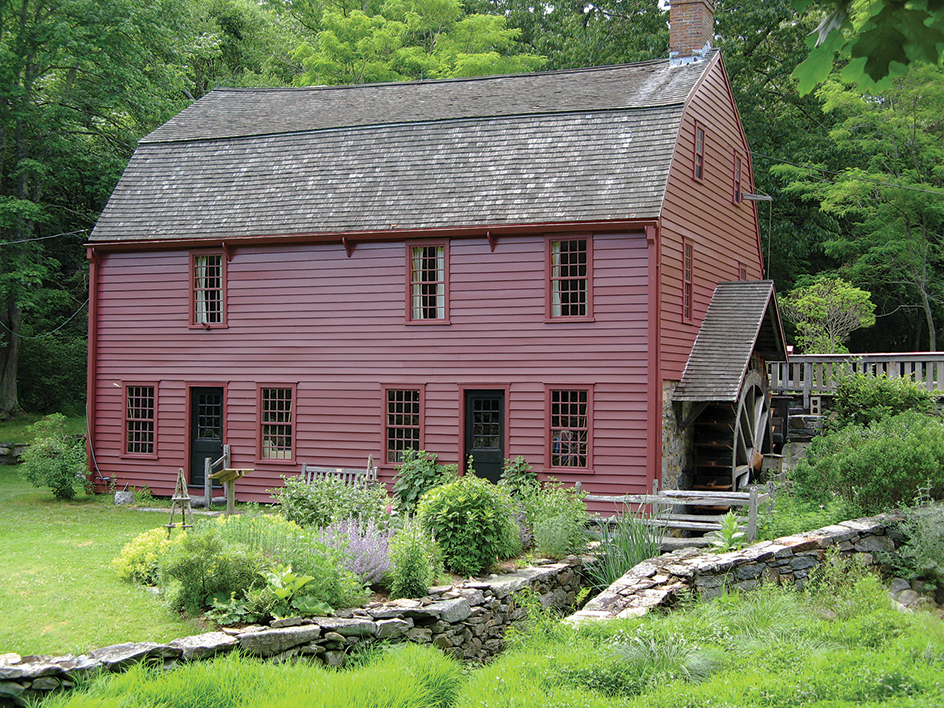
{"x": 354, "y": 477}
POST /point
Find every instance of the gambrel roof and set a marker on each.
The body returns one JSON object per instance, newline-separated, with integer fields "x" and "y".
{"x": 555, "y": 147}
{"x": 742, "y": 318}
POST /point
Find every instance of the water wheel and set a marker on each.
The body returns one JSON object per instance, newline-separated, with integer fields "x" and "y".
{"x": 731, "y": 437}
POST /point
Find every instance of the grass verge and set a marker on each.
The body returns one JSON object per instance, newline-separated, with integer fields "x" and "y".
{"x": 59, "y": 593}
{"x": 14, "y": 430}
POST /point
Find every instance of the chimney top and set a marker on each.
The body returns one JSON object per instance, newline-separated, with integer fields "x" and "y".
{"x": 691, "y": 29}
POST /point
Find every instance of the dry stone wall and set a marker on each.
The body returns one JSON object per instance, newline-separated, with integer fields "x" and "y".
{"x": 789, "y": 560}
{"x": 468, "y": 622}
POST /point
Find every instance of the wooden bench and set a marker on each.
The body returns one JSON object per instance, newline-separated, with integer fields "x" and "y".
{"x": 353, "y": 477}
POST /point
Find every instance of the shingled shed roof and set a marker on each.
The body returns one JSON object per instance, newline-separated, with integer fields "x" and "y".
{"x": 741, "y": 319}
{"x": 556, "y": 147}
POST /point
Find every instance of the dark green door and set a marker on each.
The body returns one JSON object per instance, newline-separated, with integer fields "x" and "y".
{"x": 485, "y": 432}
{"x": 206, "y": 430}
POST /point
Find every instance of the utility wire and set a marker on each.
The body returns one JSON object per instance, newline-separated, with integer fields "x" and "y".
{"x": 71, "y": 317}
{"x": 824, "y": 171}
{"x": 43, "y": 238}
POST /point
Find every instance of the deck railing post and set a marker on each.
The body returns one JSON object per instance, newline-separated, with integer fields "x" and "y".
{"x": 752, "y": 517}
{"x": 207, "y": 483}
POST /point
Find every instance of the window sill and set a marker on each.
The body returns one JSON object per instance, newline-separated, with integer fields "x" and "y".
{"x": 208, "y": 326}
{"x": 560, "y": 320}
{"x": 428, "y": 323}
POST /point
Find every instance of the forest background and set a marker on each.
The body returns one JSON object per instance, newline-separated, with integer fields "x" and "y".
{"x": 857, "y": 177}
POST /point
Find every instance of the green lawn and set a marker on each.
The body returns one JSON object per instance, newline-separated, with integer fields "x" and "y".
{"x": 58, "y": 591}
{"x": 14, "y": 430}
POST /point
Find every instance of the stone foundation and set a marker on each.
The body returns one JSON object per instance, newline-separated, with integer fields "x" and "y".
{"x": 468, "y": 622}
{"x": 676, "y": 443}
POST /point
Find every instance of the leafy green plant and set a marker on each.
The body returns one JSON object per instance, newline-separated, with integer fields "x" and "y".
{"x": 416, "y": 561}
{"x": 729, "y": 537}
{"x": 329, "y": 499}
{"x": 205, "y": 568}
{"x": 287, "y": 588}
{"x": 625, "y": 545}
{"x": 518, "y": 479}
{"x": 140, "y": 559}
{"x": 471, "y": 519}
{"x": 417, "y": 473}
{"x": 143, "y": 496}
{"x": 876, "y": 467}
{"x": 558, "y": 519}
{"x": 54, "y": 460}
{"x": 860, "y": 399}
{"x": 921, "y": 555}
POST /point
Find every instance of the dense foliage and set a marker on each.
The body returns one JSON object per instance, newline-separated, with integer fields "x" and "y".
{"x": 328, "y": 499}
{"x": 860, "y": 399}
{"x": 471, "y": 519}
{"x": 417, "y": 473}
{"x": 876, "y": 467}
{"x": 53, "y": 459}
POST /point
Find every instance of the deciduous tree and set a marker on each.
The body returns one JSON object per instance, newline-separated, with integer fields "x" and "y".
{"x": 826, "y": 312}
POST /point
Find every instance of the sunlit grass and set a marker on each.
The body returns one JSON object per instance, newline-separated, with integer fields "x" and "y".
{"x": 15, "y": 429}
{"x": 58, "y": 590}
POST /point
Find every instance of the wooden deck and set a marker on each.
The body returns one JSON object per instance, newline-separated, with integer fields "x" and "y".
{"x": 817, "y": 374}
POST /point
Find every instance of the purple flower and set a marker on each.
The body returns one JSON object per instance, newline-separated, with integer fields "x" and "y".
{"x": 365, "y": 548}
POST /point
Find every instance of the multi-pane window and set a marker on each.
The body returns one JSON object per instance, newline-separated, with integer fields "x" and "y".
{"x": 428, "y": 284}
{"x": 570, "y": 278}
{"x": 737, "y": 179}
{"x": 403, "y": 419}
{"x": 276, "y": 423}
{"x": 688, "y": 267}
{"x": 208, "y": 295}
{"x": 569, "y": 428}
{"x": 139, "y": 420}
{"x": 699, "y": 152}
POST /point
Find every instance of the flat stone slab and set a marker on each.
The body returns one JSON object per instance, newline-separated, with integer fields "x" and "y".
{"x": 275, "y": 641}
{"x": 120, "y": 656}
{"x": 347, "y": 627}
{"x": 202, "y": 646}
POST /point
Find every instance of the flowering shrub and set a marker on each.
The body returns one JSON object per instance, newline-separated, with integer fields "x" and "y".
{"x": 140, "y": 559}
{"x": 329, "y": 499}
{"x": 416, "y": 561}
{"x": 365, "y": 549}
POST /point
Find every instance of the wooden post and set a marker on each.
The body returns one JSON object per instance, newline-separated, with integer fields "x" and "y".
{"x": 230, "y": 497}
{"x": 752, "y": 517}
{"x": 207, "y": 483}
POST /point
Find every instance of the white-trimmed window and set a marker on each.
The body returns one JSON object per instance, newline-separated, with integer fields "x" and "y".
{"x": 688, "y": 280}
{"x": 699, "y": 154}
{"x": 428, "y": 290}
{"x": 276, "y": 423}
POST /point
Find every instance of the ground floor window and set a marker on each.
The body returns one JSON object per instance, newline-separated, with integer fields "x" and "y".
{"x": 276, "y": 423}
{"x": 140, "y": 418}
{"x": 569, "y": 428}
{"x": 403, "y": 422}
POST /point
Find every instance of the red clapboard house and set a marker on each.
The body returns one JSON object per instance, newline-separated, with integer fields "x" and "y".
{"x": 503, "y": 266}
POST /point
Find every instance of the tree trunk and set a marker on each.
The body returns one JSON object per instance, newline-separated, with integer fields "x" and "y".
{"x": 9, "y": 355}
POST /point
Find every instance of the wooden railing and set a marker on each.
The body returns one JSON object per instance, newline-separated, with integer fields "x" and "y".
{"x": 815, "y": 374}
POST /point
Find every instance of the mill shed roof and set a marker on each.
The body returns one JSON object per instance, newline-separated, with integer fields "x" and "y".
{"x": 555, "y": 147}
{"x": 741, "y": 319}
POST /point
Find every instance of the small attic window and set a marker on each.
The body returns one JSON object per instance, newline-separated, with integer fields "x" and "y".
{"x": 737, "y": 179}
{"x": 699, "y": 157}
{"x": 208, "y": 289}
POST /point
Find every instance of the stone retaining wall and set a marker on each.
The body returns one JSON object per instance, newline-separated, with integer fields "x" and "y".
{"x": 789, "y": 560}
{"x": 10, "y": 453}
{"x": 467, "y": 621}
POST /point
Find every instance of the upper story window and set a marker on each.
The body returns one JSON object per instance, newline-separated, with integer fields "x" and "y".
{"x": 569, "y": 278}
{"x": 140, "y": 420}
{"x": 688, "y": 280}
{"x": 403, "y": 422}
{"x": 276, "y": 423}
{"x": 428, "y": 275}
{"x": 208, "y": 289}
{"x": 737, "y": 179}
{"x": 699, "y": 170}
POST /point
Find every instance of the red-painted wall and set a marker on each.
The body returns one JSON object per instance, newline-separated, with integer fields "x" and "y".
{"x": 723, "y": 233}
{"x": 334, "y": 326}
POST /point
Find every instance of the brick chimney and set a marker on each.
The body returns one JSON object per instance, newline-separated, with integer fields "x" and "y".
{"x": 691, "y": 30}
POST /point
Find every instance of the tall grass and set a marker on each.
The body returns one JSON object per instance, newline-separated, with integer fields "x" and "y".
{"x": 628, "y": 543}
{"x": 407, "y": 676}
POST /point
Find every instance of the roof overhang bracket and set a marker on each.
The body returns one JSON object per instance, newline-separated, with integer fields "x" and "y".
{"x": 348, "y": 246}
{"x": 227, "y": 251}
{"x": 696, "y": 411}
{"x": 492, "y": 240}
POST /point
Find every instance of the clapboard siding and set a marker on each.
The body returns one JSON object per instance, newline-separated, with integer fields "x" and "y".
{"x": 334, "y": 327}
{"x": 724, "y": 234}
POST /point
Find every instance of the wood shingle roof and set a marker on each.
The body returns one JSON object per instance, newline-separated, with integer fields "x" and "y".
{"x": 740, "y": 320}
{"x": 557, "y": 147}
